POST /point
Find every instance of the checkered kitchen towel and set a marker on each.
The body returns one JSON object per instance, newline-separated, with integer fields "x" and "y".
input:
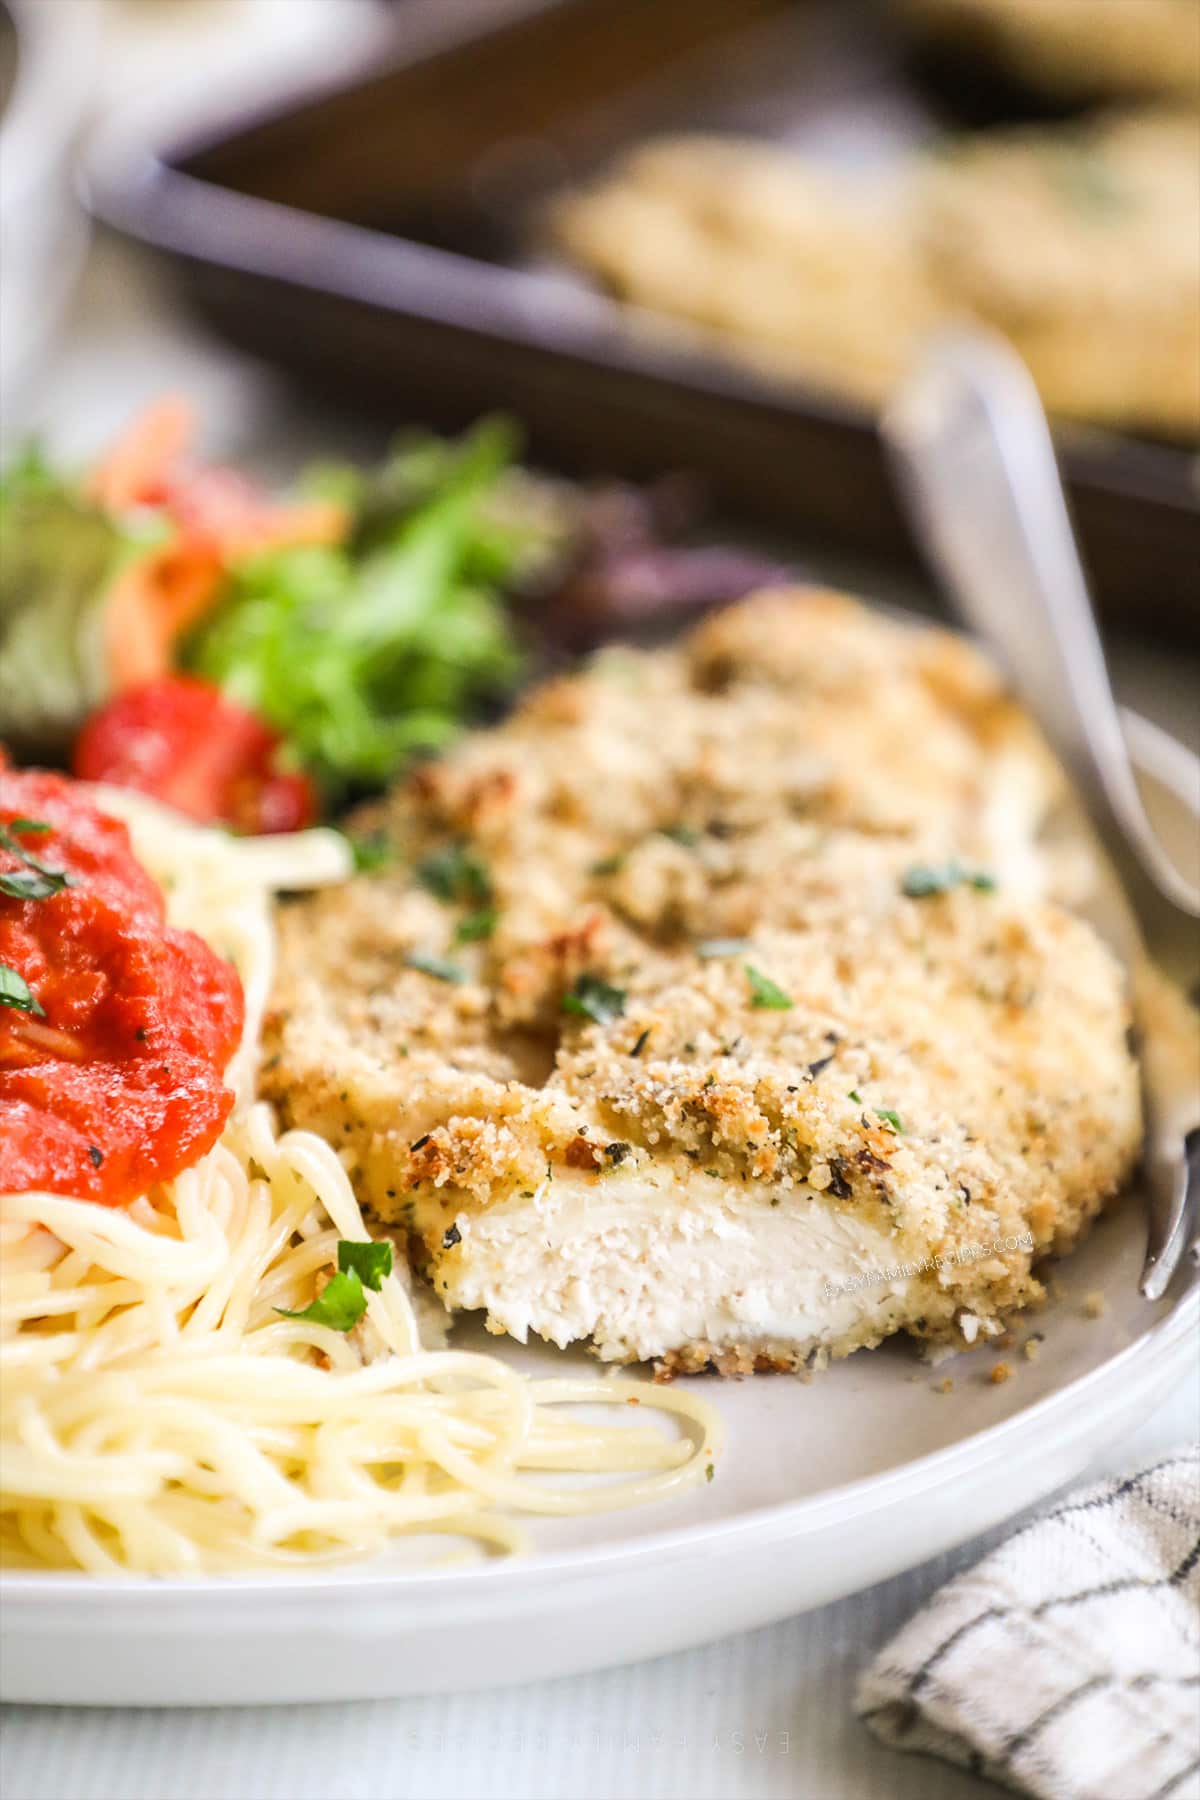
{"x": 1067, "y": 1663}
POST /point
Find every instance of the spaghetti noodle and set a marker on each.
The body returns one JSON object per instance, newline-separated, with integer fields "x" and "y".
{"x": 161, "y": 1415}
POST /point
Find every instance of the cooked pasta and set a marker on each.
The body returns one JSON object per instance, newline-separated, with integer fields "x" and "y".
{"x": 160, "y": 1412}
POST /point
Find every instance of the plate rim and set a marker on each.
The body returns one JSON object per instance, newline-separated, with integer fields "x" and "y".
{"x": 1163, "y": 1340}
{"x": 1157, "y": 753}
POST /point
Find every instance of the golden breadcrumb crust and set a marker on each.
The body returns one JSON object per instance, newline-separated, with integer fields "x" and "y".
{"x": 721, "y": 834}
{"x": 1079, "y": 241}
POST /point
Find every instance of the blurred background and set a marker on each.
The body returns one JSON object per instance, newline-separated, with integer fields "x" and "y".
{"x": 90, "y": 330}
{"x": 686, "y": 245}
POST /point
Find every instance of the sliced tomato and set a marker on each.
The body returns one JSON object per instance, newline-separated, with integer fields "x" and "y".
{"x": 188, "y": 744}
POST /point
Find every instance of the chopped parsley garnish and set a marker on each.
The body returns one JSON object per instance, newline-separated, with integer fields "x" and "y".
{"x": 371, "y": 852}
{"x": 343, "y": 1300}
{"x": 765, "y": 992}
{"x": 643, "y": 1038}
{"x": 456, "y": 872}
{"x": 716, "y": 947}
{"x": 886, "y": 1113}
{"x": 340, "y": 1305}
{"x": 594, "y": 998}
{"x": 35, "y": 881}
{"x": 369, "y": 1261}
{"x": 476, "y": 925}
{"x": 438, "y": 966}
{"x": 16, "y": 992}
{"x": 680, "y": 834}
{"x": 31, "y": 884}
{"x": 925, "y": 879}
{"x": 709, "y": 1471}
{"x": 608, "y": 865}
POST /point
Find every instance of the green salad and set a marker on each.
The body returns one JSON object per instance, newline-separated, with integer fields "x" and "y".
{"x": 172, "y": 626}
{"x": 369, "y": 650}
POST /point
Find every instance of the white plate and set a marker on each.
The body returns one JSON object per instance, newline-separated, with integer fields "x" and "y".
{"x": 823, "y": 1489}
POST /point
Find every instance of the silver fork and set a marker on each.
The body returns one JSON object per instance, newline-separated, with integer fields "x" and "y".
{"x": 969, "y": 444}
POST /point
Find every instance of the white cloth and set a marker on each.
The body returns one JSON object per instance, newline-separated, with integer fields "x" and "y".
{"x": 1067, "y": 1663}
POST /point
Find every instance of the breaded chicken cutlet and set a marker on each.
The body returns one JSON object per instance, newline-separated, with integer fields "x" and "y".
{"x": 707, "y": 1010}
{"x": 1080, "y": 242}
{"x": 1080, "y": 49}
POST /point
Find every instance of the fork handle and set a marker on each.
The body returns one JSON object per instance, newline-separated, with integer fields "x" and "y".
{"x": 970, "y": 444}
{"x": 972, "y": 451}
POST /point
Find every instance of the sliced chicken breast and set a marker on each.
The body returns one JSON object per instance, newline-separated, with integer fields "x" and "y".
{"x": 708, "y": 1011}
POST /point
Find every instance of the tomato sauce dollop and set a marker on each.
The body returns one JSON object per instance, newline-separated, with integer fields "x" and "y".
{"x": 118, "y": 1081}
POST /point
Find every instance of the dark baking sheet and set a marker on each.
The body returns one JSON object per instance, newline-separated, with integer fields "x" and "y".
{"x": 376, "y": 233}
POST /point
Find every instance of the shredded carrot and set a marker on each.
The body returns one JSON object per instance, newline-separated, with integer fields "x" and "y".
{"x": 143, "y": 456}
{"x": 217, "y": 515}
{"x": 151, "y": 603}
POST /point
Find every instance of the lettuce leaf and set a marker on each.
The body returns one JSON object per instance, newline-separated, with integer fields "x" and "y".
{"x": 58, "y": 556}
{"x": 368, "y": 653}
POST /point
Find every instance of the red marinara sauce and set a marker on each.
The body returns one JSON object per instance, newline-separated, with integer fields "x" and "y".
{"x": 112, "y": 1059}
